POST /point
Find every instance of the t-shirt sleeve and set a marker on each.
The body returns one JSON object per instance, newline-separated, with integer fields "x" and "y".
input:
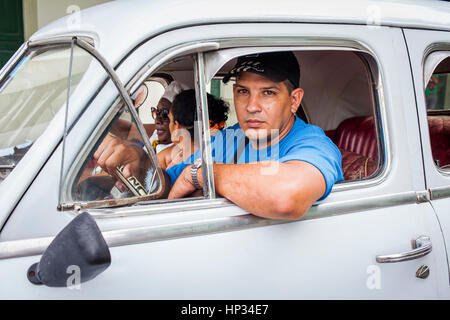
{"x": 176, "y": 170}
{"x": 322, "y": 153}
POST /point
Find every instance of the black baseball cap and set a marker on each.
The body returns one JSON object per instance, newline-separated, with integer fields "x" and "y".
{"x": 275, "y": 66}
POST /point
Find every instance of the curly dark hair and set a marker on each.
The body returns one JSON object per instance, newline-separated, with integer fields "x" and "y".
{"x": 184, "y": 109}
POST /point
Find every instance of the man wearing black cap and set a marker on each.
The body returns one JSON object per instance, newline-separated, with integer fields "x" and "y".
{"x": 280, "y": 165}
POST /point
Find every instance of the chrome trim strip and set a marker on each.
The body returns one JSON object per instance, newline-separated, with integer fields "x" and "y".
{"x": 60, "y": 40}
{"x": 24, "y": 248}
{"x": 9, "y": 66}
{"x": 363, "y": 204}
{"x": 440, "y": 192}
{"x": 66, "y": 113}
{"x": 423, "y": 196}
{"x": 51, "y": 41}
{"x": 167, "y": 55}
{"x": 30, "y": 247}
{"x": 162, "y": 206}
{"x": 209, "y": 189}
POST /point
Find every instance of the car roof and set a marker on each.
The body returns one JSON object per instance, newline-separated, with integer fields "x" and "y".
{"x": 119, "y": 26}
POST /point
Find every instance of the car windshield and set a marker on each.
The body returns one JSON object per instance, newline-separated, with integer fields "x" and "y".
{"x": 31, "y": 95}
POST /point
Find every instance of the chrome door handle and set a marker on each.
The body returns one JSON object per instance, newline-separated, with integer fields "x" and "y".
{"x": 421, "y": 247}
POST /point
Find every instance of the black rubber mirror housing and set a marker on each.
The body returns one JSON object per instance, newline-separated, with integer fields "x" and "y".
{"x": 79, "y": 246}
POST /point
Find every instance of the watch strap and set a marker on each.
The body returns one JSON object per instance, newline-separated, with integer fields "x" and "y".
{"x": 194, "y": 168}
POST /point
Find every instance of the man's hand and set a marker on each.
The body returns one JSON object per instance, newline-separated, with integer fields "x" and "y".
{"x": 113, "y": 152}
{"x": 184, "y": 186}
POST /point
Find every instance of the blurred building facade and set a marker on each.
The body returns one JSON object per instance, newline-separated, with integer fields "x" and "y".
{"x": 19, "y": 19}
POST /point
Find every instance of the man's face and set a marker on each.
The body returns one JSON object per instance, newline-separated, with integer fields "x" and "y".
{"x": 263, "y": 105}
{"x": 162, "y": 122}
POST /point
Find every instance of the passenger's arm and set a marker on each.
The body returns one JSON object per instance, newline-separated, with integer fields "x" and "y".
{"x": 284, "y": 193}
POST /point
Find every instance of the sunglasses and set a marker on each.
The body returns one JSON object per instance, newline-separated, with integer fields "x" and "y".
{"x": 163, "y": 114}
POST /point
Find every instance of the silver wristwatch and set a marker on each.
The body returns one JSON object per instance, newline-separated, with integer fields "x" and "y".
{"x": 195, "y": 165}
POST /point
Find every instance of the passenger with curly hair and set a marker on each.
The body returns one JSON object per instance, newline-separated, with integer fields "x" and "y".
{"x": 182, "y": 116}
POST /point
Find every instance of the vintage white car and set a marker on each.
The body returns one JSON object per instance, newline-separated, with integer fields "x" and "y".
{"x": 376, "y": 80}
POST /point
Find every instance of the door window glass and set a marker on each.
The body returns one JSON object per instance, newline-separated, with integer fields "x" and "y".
{"x": 31, "y": 95}
{"x": 437, "y": 99}
{"x": 133, "y": 176}
{"x": 118, "y": 168}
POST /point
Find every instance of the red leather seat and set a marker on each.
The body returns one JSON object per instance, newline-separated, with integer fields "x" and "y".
{"x": 439, "y": 127}
{"x": 355, "y": 138}
{"x": 356, "y": 166}
{"x": 357, "y": 135}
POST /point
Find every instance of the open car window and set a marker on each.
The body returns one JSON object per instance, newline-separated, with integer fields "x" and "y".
{"x": 437, "y": 100}
{"x": 339, "y": 98}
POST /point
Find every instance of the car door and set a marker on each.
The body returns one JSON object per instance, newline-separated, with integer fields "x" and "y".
{"x": 430, "y": 52}
{"x": 209, "y": 248}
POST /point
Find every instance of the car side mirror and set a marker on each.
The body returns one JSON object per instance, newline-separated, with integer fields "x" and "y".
{"x": 79, "y": 246}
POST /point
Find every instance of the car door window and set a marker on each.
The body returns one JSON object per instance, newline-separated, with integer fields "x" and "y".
{"x": 92, "y": 180}
{"x": 437, "y": 100}
{"x": 97, "y": 183}
{"x": 339, "y": 98}
{"x": 30, "y": 97}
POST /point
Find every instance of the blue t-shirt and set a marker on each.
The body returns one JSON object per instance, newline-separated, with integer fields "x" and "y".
{"x": 304, "y": 142}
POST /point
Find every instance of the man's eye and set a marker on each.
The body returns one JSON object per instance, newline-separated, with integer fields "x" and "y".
{"x": 269, "y": 92}
{"x": 242, "y": 91}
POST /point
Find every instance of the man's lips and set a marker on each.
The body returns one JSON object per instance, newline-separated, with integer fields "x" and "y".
{"x": 254, "y": 123}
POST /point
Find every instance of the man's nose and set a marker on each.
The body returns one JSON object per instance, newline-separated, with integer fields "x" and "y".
{"x": 253, "y": 104}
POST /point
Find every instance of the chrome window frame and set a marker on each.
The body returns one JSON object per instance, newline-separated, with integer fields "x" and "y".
{"x": 380, "y": 113}
{"x": 166, "y": 56}
{"x": 443, "y": 191}
{"x": 446, "y": 173}
{"x": 87, "y": 45}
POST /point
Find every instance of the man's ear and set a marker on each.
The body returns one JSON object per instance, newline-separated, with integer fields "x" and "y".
{"x": 296, "y": 99}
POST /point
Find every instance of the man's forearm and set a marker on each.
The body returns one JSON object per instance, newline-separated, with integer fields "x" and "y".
{"x": 270, "y": 189}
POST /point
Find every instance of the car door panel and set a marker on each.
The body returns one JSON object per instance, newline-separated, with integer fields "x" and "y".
{"x": 331, "y": 257}
{"x": 420, "y": 44}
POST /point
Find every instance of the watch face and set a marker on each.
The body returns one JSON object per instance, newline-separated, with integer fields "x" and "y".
{"x": 197, "y": 162}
